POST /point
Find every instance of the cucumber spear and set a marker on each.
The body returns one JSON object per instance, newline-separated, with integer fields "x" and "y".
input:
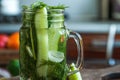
{"x": 41, "y": 24}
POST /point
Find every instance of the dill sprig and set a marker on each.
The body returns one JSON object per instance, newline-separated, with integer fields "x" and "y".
{"x": 60, "y": 6}
{"x": 38, "y": 5}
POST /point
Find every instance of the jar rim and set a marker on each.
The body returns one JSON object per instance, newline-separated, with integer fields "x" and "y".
{"x": 31, "y": 10}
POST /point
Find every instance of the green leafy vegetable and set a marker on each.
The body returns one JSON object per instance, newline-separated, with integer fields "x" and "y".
{"x": 38, "y": 5}
{"x": 24, "y": 7}
{"x": 58, "y": 7}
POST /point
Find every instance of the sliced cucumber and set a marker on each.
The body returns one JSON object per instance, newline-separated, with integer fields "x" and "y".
{"x": 41, "y": 18}
{"x": 41, "y": 24}
{"x": 76, "y": 76}
{"x": 56, "y": 56}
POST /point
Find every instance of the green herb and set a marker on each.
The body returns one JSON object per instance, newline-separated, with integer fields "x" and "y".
{"x": 58, "y": 7}
{"x": 38, "y": 5}
{"x": 56, "y": 70}
{"x": 27, "y": 63}
{"x": 24, "y": 7}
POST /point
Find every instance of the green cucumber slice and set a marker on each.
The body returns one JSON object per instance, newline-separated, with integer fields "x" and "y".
{"x": 41, "y": 24}
{"x": 76, "y": 76}
{"x": 56, "y": 56}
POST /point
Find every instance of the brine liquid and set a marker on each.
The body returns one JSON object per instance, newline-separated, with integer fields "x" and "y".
{"x": 56, "y": 68}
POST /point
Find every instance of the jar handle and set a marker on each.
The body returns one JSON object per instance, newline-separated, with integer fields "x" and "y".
{"x": 79, "y": 43}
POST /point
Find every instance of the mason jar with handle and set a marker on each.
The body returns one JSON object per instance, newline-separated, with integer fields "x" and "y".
{"x": 43, "y": 39}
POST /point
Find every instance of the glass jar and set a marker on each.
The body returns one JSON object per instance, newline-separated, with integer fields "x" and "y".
{"x": 43, "y": 49}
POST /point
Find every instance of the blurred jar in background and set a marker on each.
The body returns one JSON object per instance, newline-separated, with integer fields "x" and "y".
{"x": 116, "y": 9}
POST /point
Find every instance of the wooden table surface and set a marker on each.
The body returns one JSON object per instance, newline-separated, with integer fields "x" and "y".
{"x": 91, "y": 74}
{"x": 97, "y": 74}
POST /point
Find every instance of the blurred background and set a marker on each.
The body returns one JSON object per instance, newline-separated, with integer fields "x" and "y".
{"x": 98, "y": 22}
